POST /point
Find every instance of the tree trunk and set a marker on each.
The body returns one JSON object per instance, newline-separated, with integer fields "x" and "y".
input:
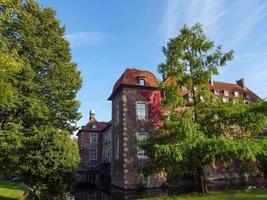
{"x": 202, "y": 184}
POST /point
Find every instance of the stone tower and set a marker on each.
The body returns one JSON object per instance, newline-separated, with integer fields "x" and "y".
{"x": 132, "y": 99}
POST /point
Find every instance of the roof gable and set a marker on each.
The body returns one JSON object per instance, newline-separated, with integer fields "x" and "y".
{"x": 130, "y": 77}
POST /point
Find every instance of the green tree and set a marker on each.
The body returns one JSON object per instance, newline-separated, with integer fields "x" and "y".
{"x": 38, "y": 106}
{"x": 196, "y": 134}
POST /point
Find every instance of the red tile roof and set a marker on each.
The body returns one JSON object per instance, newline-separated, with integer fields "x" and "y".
{"x": 130, "y": 77}
{"x": 94, "y": 126}
{"x": 244, "y": 92}
{"x": 231, "y": 88}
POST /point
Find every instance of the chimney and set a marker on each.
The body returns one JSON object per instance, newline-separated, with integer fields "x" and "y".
{"x": 211, "y": 82}
{"x": 92, "y": 115}
{"x": 241, "y": 83}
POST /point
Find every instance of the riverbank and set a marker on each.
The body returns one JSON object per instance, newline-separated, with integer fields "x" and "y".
{"x": 252, "y": 194}
{"x": 11, "y": 190}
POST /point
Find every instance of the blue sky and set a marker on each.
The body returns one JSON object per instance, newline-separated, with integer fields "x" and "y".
{"x": 108, "y": 36}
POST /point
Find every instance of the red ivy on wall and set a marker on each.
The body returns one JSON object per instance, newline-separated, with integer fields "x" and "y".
{"x": 237, "y": 166}
{"x": 153, "y": 99}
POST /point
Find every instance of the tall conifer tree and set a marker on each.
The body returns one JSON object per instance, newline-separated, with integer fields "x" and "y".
{"x": 196, "y": 134}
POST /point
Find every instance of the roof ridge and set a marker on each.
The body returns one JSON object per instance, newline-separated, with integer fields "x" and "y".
{"x": 225, "y": 82}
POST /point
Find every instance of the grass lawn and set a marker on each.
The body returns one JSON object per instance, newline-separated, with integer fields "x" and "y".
{"x": 254, "y": 194}
{"x": 11, "y": 190}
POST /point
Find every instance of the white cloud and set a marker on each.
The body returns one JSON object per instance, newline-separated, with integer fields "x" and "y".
{"x": 220, "y": 18}
{"x": 238, "y": 25}
{"x": 85, "y": 38}
{"x": 248, "y": 15}
{"x": 251, "y": 55}
{"x": 171, "y": 18}
{"x": 179, "y": 12}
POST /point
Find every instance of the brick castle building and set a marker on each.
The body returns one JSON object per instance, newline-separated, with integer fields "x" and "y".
{"x": 110, "y": 148}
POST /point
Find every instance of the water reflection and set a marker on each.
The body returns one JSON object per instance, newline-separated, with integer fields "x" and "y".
{"x": 112, "y": 194}
{"x": 90, "y": 192}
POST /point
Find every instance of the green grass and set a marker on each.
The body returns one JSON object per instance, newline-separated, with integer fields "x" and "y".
{"x": 255, "y": 194}
{"x": 11, "y": 190}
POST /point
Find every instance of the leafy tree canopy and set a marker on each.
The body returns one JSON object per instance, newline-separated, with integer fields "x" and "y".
{"x": 38, "y": 106}
{"x": 198, "y": 134}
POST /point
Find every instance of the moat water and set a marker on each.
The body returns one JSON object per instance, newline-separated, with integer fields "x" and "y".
{"x": 89, "y": 192}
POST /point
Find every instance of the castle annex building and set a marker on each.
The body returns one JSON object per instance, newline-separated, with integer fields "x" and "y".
{"x": 109, "y": 148}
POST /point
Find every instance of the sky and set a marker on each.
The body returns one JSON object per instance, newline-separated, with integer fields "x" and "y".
{"x": 107, "y": 36}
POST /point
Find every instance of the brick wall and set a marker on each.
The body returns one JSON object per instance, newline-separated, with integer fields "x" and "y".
{"x": 125, "y": 170}
{"x": 84, "y": 148}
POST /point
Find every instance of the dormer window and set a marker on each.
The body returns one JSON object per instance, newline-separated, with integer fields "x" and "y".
{"x": 142, "y": 81}
{"x": 226, "y": 93}
{"x": 216, "y": 91}
{"x": 94, "y": 126}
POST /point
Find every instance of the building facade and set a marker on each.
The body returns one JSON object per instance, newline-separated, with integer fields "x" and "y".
{"x": 135, "y": 101}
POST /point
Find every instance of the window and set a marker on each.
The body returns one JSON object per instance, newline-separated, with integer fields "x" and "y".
{"x": 246, "y": 101}
{"x": 93, "y": 138}
{"x": 141, "y": 154}
{"x": 106, "y": 138}
{"x": 146, "y": 178}
{"x": 117, "y": 147}
{"x": 190, "y": 98}
{"x": 184, "y": 87}
{"x": 106, "y": 153}
{"x": 216, "y": 91}
{"x": 235, "y": 100}
{"x": 141, "y": 110}
{"x": 236, "y": 94}
{"x": 117, "y": 115}
{"x": 225, "y": 100}
{"x": 94, "y": 126}
{"x": 93, "y": 154}
{"x": 142, "y": 81}
{"x": 226, "y": 93}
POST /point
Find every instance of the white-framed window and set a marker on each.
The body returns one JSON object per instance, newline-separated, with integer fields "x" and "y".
{"x": 141, "y": 110}
{"x": 184, "y": 87}
{"x": 226, "y": 93}
{"x": 117, "y": 147}
{"x": 141, "y": 154}
{"x": 235, "y": 100}
{"x": 236, "y": 93}
{"x": 190, "y": 98}
{"x": 93, "y": 138}
{"x": 94, "y": 126}
{"x": 225, "y": 100}
{"x": 93, "y": 154}
{"x": 142, "y": 81}
{"x": 117, "y": 115}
